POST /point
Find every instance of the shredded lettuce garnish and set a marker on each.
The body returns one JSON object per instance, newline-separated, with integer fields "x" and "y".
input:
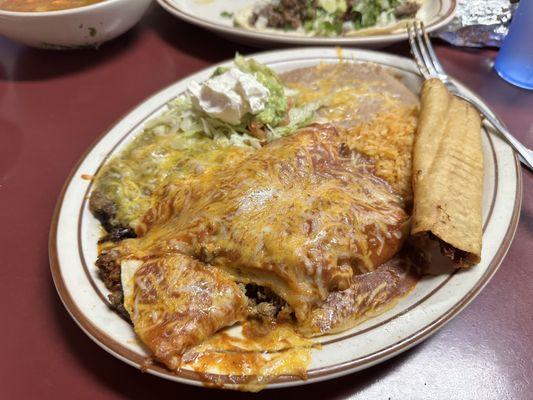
{"x": 374, "y": 12}
{"x": 182, "y": 140}
{"x": 324, "y": 24}
{"x": 331, "y": 17}
{"x": 276, "y": 119}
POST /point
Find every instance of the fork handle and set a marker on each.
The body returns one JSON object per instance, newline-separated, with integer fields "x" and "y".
{"x": 526, "y": 154}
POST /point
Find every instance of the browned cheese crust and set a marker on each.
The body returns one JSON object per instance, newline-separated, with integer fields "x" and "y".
{"x": 178, "y": 302}
{"x": 297, "y": 216}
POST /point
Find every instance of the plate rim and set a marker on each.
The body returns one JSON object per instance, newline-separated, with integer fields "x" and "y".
{"x": 322, "y": 373}
{"x": 289, "y": 39}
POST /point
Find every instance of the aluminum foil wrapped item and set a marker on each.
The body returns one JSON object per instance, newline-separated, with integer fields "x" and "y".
{"x": 478, "y": 23}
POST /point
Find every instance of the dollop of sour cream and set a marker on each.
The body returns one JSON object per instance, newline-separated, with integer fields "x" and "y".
{"x": 230, "y": 96}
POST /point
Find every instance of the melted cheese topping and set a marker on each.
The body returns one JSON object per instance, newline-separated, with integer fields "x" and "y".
{"x": 249, "y": 358}
{"x": 152, "y": 159}
{"x": 378, "y": 112}
{"x": 176, "y": 302}
{"x": 296, "y": 216}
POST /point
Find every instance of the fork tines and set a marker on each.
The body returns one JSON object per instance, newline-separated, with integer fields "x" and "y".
{"x": 423, "y": 52}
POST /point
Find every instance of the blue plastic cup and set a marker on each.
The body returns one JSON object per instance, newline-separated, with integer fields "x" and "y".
{"x": 515, "y": 59}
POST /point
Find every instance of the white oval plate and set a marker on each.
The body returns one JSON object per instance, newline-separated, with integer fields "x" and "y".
{"x": 434, "y": 301}
{"x": 207, "y": 14}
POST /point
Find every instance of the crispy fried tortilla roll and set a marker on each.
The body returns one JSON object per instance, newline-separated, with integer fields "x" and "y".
{"x": 448, "y": 174}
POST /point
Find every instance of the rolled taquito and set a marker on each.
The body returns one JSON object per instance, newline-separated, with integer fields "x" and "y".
{"x": 448, "y": 174}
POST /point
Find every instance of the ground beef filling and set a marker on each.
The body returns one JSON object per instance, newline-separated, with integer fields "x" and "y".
{"x": 406, "y": 10}
{"x": 105, "y": 211}
{"x": 291, "y": 14}
{"x": 288, "y": 14}
{"x": 456, "y": 255}
{"x": 264, "y": 304}
{"x": 109, "y": 273}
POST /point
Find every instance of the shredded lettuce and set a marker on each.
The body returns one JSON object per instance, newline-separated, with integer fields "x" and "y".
{"x": 183, "y": 140}
{"x": 374, "y": 12}
{"x": 333, "y": 6}
{"x": 298, "y": 117}
{"x": 324, "y": 24}
{"x": 183, "y": 118}
{"x": 332, "y": 17}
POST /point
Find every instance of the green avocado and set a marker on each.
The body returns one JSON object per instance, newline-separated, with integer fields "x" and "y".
{"x": 277, "y": 106}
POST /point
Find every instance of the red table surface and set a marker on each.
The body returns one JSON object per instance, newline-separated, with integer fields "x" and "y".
{"x": 53, "y": 105}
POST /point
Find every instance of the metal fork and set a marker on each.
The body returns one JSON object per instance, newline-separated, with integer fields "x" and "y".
{"x": 430, "y": 67}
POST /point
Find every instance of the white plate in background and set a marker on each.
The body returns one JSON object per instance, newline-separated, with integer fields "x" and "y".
{"x": 207, "y": 14}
